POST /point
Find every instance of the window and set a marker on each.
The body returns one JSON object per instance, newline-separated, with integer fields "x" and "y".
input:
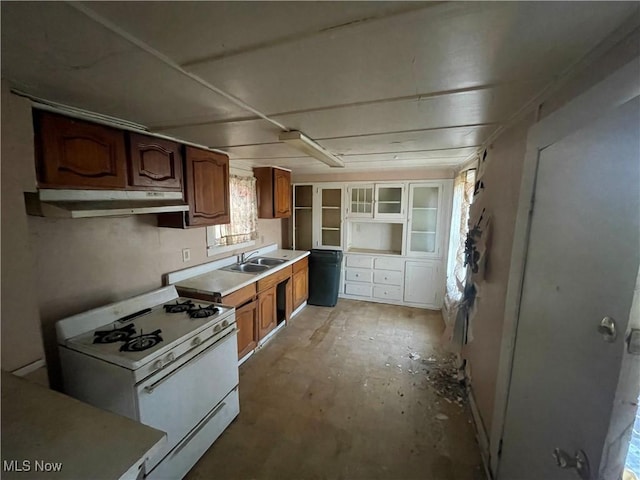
{"x": 243, "y": 228}
{"x": 462, "y": 197}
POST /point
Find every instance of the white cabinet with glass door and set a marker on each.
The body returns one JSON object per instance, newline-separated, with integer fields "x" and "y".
{"x": 328, "y": 216}
{"x": 389, "y": 201}
{"x": 426, "y": 217}
{"x": 360, "y": 201}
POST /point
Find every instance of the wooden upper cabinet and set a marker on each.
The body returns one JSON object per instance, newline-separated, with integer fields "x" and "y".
{"x": 207, "y": 187}
{"x": 274, "y": 192}
{"x": 75, "y": 154}
{"x": 154, "y": 163}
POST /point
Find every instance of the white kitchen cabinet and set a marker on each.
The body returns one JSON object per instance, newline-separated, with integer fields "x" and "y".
{"x": 329, "y": 216}
{"x": 389, "y": 201}
{"x": 360, "y": 201}
{"x": 383, "y": 201}
{"x": 318, "y": 213}
{"x": 373, "y": 278}
{"x": 428, "y": 219}
{"x": 423, "y": 283}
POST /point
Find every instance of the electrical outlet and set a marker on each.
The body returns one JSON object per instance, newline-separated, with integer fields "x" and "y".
{"x": 186, "y": 254}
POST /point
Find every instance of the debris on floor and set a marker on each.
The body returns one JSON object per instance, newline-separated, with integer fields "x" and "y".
{"x": 444, "y": 377}
{"x": 441, "y": 416}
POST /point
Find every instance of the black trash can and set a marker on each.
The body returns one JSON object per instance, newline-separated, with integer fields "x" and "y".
{"x": 324, "y": 277}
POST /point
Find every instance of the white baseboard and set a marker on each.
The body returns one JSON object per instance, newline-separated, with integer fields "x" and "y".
{"x": 245, "y": 358}
{"x": 298, "y": 310}
{"x": 481, "y": 433}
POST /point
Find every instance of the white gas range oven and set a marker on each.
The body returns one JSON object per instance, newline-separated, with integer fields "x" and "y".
{"x": 166, "y": 361}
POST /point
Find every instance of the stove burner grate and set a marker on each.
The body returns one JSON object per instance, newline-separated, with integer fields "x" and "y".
{"x": 116, "y": 335}
{"x": 179, "y": 307}
{"x": 203, "y": 312}
{"x": 142, "y": 342}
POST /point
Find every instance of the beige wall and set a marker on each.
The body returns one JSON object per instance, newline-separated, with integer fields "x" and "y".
{"x": 502, "y": 183}
{"x": 500, "y": 199}
{"x": 53, "y": 268}
{"x": 21, "y": 336}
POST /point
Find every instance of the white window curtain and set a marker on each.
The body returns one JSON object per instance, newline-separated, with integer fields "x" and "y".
{"x": 462, "y": 197}
{"x": 243, "y": 211}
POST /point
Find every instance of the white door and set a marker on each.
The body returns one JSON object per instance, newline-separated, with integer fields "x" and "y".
{"x": 581, "y": 266}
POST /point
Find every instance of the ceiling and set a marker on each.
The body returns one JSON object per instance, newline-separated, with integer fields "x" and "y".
{"x": 383, "y": 85}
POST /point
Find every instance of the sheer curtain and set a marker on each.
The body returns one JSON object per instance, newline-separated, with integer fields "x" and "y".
{"x": 463, "y": 187}
{"x": 244, "y": 213}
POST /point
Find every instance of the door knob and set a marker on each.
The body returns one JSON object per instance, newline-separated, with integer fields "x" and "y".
{"x": 578, "y": 461}
{"x": 607, "y": 329}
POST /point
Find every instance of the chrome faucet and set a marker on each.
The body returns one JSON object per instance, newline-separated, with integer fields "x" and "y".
{"x": 244, "y": 259}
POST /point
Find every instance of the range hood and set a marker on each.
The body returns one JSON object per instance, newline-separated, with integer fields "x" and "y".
{"x": 101, "y": 203}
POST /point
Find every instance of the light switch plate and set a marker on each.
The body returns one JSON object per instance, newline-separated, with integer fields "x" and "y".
{"x": 186, "y": 254}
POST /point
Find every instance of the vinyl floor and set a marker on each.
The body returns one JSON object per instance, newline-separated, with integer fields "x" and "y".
{"x": 345, "y": 393}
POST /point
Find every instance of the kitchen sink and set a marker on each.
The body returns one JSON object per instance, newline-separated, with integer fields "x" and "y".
{"x": 271, "y": 262}
{"x": 247, "y": 268}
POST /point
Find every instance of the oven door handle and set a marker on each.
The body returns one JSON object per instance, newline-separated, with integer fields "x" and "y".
{"x": 153, "y": 386}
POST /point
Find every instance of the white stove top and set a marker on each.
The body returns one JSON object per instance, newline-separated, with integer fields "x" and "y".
{"x": 174, "y": 329}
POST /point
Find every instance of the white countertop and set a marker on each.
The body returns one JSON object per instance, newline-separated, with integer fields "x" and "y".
{"x": 42, "y": 425}
{"x": 223, "y": 282}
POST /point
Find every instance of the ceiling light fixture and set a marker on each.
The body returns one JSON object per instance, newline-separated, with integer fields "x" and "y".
{"x": 300, "y": 141}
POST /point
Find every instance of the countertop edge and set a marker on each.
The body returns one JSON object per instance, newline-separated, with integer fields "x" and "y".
{"x": 251, "y": 278}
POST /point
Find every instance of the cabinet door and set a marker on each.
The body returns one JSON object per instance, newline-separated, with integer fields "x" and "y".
{"x": 266, "y": 311}
{"x": 390, "y": 201}
{"x": 282, "y": 193}
{"x": 73, "y": 153}
{"x": 154, "y": 163}
{"x": 424, "y": 219}
{"x": 247, "y": 328}
{"x": 421, "y": 283}
{"x": 300, "y": 287}
{"x": 360, "y": 203}
{"x": 207, "y": 186}
{"x": 329, "y": 220}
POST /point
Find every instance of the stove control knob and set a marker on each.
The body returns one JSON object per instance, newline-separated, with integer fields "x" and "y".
{"x": 158, "y": 365}
{"x": 217, "y": 328}
{"x": 225, "y": 323}
{"x": 196, "y": 341}
{"x": 171, "y": 357}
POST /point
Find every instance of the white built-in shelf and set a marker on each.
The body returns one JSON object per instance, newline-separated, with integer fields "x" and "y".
{"x": 431, "y": 232}
{"x": 424, "y": 208}
{"x": 336, "y": 229}
{"x": 303, "y": 208}
{"x": 331, "y": 208}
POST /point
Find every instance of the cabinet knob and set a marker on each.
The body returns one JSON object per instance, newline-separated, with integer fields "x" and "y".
{"x": 196, "y": 341}
{"x": 357, "y": 274}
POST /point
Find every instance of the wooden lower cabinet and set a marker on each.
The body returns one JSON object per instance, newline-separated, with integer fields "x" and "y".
{"x": 246, "y": 318}
{"x": 300, "y": 287}
{"x": 267, "y": 315}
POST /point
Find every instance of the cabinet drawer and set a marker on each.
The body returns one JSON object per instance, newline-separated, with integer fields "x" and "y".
{"x": 358, "y": 275}
{"x": 240, "y": 296}
{"x": 359, "y": 261}
{"x": 387, "y": 277}
{"x": 300, "y": 264}
{"x": 387, "y": 293}
{"x": 274, "y": 278}
{"x": 361, "y": 290}
{"x": 386, "y": 263}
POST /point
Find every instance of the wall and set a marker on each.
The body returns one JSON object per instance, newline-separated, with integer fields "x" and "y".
{"x": 376, "y": 175}
{"x": 500, "y": 199}
{"x": 21, "y": 336}
{"x": 502, "y": 183}
{"x": 53, "y": 268}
